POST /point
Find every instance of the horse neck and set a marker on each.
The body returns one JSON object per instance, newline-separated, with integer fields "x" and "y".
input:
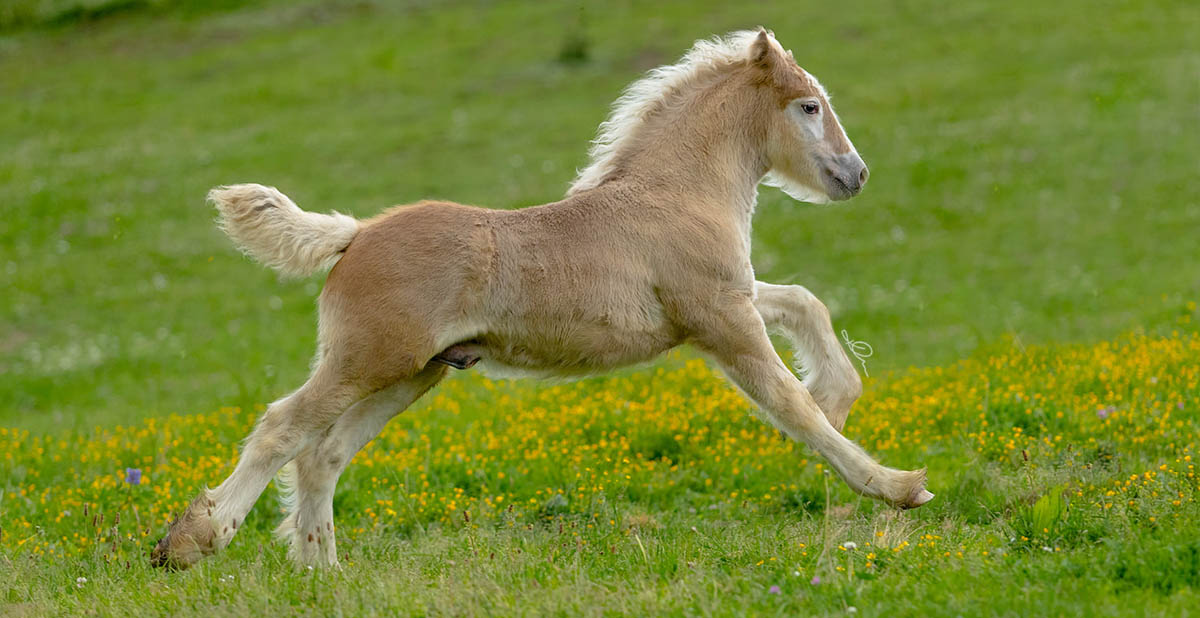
{"x": 706, "y": 151}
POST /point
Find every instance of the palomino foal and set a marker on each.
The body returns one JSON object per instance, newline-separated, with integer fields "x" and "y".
{"x": 650, "y": 249}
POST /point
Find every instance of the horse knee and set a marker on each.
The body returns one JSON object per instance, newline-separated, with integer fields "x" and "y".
{"x": 839, "y": 380}
{"x": 809, "y": 308}
{"x": 851, "y": 387}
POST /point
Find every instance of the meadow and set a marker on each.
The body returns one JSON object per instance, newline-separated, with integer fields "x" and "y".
{"x": 1066, "y": 478}
{"x": 1023, "y": 263}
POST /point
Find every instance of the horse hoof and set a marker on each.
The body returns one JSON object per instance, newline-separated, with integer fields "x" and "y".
{"x": 921, "y": 498}
{"x": 160, "y": 557}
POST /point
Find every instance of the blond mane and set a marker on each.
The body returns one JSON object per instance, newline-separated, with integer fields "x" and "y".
{"x": 652, "y": 93}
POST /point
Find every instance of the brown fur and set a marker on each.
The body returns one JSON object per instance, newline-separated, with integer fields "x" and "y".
{"x": 652, "y": 251}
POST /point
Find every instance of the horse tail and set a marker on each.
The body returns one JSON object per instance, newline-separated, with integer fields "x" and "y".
{"x": 269, "y": 227}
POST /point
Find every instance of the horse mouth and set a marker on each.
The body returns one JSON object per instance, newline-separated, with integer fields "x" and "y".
{"x": 841, "y": 187}
{"x": 841, "y": 190}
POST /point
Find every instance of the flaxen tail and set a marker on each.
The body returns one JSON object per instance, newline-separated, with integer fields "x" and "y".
{"x": 271, "y": 228}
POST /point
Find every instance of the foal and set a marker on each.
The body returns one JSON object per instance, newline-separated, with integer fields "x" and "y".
{"x": 650, "y": 249}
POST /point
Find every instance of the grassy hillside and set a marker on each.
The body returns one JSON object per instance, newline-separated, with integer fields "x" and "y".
{"x": 1033, "y": 171}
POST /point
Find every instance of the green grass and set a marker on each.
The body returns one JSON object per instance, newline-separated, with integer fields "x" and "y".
{"x": 1026, "y": 179}
{"x": 50, "y": 14}
{"x": 1034, "y": 177}
{"x": 658, "y": 493}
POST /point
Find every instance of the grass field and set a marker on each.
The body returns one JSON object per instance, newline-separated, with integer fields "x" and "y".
{"x": 1034, "y": 200}
{"x": 1066, "y": 480}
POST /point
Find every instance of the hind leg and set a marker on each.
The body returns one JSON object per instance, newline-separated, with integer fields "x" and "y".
{"x": 310, "y": 479}
{"x": 211, "y": 520}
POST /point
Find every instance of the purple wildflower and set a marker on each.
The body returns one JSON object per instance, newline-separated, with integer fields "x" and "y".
{"x": 133, "y": 476}
{"x": 773, "y": 590}
{"x": 1104, "y": 412}
{"x": 815, "y": 580}
{"x": 1179, "y": 405}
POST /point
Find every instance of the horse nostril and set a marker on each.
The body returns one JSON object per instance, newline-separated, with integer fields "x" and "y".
{"x": 862, "y": 176}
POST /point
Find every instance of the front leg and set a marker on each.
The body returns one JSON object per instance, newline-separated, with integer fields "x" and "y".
{"x": 804, "y": 320}
{"x": 736, "y": 338}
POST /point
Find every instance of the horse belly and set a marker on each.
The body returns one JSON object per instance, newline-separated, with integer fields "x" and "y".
{"x": 572, "y": 352}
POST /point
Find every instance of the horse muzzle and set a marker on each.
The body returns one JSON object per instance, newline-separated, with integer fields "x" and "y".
{"x": 845, "y": 176}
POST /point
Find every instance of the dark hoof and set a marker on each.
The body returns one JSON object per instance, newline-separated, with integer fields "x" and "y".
{"x": 160, "y": 556}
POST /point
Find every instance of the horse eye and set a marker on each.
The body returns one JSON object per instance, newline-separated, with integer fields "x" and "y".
{"x": 810, "y": 108}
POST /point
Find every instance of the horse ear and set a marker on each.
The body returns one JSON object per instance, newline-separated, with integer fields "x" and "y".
{"x": 760, "y": 49}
